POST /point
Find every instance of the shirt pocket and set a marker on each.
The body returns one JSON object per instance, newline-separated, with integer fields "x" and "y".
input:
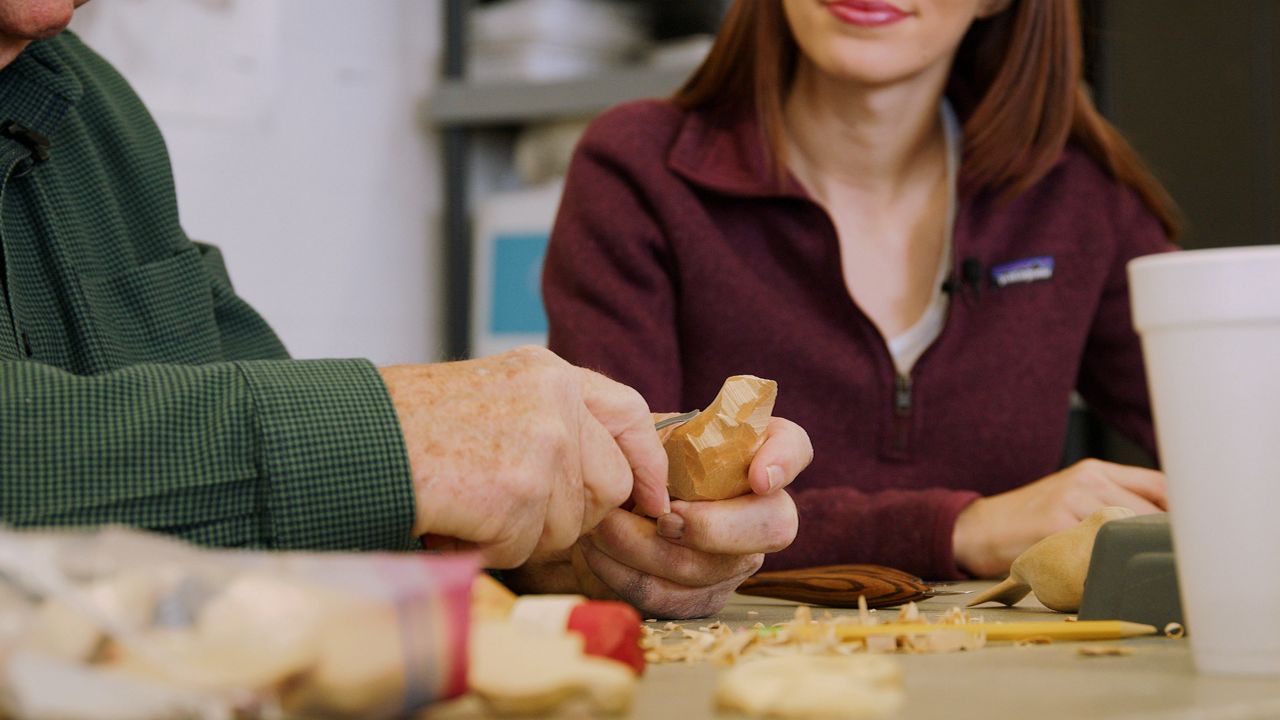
{"x": 160, "y": 312}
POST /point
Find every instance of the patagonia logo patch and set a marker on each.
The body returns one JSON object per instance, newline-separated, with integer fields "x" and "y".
{"x": 1028, "y": 270}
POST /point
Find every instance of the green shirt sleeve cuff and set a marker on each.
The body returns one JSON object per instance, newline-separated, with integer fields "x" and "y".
{"x": 333, "y": 457}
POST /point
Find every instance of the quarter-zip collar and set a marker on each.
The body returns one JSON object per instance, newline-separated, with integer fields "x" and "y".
{"x": 724, "y": 150}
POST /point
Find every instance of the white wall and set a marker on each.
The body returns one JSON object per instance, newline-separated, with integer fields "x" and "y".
{"x": 293, "y": 129}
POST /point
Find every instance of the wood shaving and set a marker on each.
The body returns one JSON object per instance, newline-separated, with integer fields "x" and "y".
{"x": 1174, "y": 630}
{"x": 1104, "y": 650}
{"x": 720, "y": 644}
{"x": 881, "y": 644}
{"x": 908, "y": 613}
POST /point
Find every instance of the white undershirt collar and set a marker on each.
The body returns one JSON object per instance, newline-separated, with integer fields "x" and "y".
{"x": 910, "y": 344}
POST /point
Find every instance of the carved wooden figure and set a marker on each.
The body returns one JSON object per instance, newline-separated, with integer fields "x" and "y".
{"x": 1054, "y": 568}
{"x": 710, "y": 454}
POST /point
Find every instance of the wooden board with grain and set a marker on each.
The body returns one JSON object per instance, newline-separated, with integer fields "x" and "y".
{"x": 838, "y": 585}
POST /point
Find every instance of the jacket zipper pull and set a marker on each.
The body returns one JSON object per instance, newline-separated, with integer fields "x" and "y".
{"x": 902, "y": 410}
{"x": 902, "y": 395}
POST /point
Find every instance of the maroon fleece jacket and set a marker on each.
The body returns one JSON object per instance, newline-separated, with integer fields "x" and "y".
{"x": 678, "y": 259}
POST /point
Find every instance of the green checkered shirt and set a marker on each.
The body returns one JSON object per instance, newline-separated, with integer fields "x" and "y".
{"x": 135, "y": 386}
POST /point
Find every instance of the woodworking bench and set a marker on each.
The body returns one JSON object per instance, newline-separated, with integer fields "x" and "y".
{"x": 1040, "y": 682}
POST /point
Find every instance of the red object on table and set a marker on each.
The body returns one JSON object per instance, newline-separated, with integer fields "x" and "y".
{"x": 611, "y": 630}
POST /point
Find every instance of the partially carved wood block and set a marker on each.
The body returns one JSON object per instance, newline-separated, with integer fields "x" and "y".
{"x": 710, "y": 454}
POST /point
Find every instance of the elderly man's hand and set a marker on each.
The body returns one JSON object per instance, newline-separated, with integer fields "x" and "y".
{"x": 522, "y": 452}
{"x": 687, "y": 563}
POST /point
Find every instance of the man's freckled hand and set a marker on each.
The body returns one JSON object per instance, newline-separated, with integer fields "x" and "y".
{"x": 521, "y": 452}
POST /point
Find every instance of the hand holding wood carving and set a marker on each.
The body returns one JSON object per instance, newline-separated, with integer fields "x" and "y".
{"x": 523, "y": 452}
{"x": 709, "y": 455}
{"x": 727, "y": 470}
{"x": 689, "y": 562}
{"x": 707, "y": 548}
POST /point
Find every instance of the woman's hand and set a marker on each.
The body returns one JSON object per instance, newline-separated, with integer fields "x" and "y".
{"x": 993, "y": 531}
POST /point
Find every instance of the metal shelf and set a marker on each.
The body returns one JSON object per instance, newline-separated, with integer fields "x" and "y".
{"x": 459, "y": 103}
{"x": 463, "y": 112}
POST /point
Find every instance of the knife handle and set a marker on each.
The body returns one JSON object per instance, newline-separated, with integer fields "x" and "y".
{"x": 838, "y": 585}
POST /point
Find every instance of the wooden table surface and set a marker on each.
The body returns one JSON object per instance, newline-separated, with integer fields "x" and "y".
{"x": 1045, "y": 682}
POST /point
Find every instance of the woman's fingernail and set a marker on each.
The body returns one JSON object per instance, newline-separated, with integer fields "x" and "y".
{"x": 671, "y": 526}
{"x": 775, "y": 477}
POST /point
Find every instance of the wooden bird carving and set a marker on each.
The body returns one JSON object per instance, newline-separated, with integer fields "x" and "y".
{"x": 709, "y": 455}
{"x": 1054, "y": 568}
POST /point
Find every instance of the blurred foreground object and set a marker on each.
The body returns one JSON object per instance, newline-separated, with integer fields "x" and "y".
{"x": 609, "y": 629}
{"x": 123, "y": 624}
{"x": 519, "y": 667}
{"x": 544, "y": 653}
{"x": 800, "y": 686}
{"x": 710, "y": 454}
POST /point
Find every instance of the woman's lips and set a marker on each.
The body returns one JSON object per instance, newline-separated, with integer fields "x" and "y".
{"x": 866, "y": 13}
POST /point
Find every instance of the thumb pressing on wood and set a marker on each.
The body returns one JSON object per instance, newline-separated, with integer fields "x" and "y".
{"x": 784, "y": 453}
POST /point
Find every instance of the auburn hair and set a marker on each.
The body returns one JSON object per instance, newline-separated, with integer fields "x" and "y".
{"x": 1016, "y": 82}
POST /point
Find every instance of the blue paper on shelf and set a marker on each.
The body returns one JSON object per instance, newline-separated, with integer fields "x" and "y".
{"x": 516, "y": 300}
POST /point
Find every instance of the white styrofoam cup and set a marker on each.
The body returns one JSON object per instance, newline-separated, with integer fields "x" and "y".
{"x": 1210, "y": 327}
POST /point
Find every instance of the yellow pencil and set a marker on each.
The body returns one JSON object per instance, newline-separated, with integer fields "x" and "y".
{"x": 997, "y": 632}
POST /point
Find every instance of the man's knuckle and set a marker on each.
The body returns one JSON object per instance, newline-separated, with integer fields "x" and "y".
{"x": 526, "y": 489}
{"x": 615, "y": 490}
{"x": 534, "y": 354}
{"x": 545, "y": 382}
{"x": 706, "y": 603}
{"x": 639, "y": 591}
{"x": 676, "y": 606}
{"x": 548, "y": 438}
{"x": 807, "y": 452}
{"x": 780, "y": 528}
{"x": 779, "y": 536}
{"x": 634, "y": 400}
{"x": 685, "y": 569}
{"x": 607, "y": 533}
